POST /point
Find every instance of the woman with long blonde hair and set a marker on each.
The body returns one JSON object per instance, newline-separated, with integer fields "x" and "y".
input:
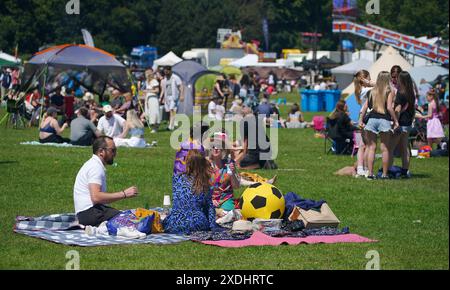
{"x": 135, "y": 128}
{"x": 363, "y": 86}
{"x": 193, "y": 209}
{"x": 379, "y": 123}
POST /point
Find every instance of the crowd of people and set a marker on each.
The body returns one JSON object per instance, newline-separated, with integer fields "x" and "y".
{"x": 390, "y": 112}
{"x": 205, "y": 178}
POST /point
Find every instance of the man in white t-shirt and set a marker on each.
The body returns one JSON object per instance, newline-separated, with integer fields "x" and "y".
{"x": 89, "y": 192}
{"x": 110, "y": 124}
{"x": 171, "y": 94}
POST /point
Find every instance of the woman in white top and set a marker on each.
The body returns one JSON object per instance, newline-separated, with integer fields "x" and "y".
{"x": 151, "y": 89}
{"x": 212, "y": 108}
{"x": 295, "y": 119}
{"x": 363, "y": 86}
{"x": 135, "y": 128}
{"x": 220, "y": 110}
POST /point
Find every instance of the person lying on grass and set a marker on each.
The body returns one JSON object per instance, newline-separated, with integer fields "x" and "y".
{"x": 89, "y": 192}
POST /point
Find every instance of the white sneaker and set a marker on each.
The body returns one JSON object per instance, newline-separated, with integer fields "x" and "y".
{"x": 90, "y": 231}
{"x": 130, "y": 233}
{"x": 102, "y": 230}
{"x": 153, "y": 131}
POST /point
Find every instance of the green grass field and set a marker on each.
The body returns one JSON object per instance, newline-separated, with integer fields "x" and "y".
{"x": 37, "y": 180}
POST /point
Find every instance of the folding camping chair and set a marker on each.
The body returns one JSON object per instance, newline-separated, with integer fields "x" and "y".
{"x": 14, "y": 114}
{"x": 329, "y": 138}
{"x": 319, "y": 124}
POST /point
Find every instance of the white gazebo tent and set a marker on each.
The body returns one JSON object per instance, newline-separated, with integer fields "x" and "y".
{"x": 344, "y": 74}
{"x": 170, "y": 59}
{"x": 248, "y": 60}
{"x": 427, "y": 72}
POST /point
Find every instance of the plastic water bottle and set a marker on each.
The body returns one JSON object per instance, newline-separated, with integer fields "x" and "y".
{"x": 229, "y": 172}
{"x": 166, "y": 204}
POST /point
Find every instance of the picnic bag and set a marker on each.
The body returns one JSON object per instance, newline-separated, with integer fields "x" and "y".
{"x": 317, "y": 219}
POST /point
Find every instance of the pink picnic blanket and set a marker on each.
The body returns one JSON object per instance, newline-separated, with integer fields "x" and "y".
{"x": 260, "y": 239}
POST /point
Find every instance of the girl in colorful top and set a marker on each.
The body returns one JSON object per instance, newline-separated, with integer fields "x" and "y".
{"x": 224, "y": 178}
{"x": 192, "y": 202}
{"x": 194, "y": 142}
{"x": 435, "y": 131}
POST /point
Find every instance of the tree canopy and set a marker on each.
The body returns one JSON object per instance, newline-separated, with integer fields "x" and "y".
{"x": 179, "y": 25}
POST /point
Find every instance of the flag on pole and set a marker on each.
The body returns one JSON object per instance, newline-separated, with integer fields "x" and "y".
{"x": 88, "y": 40}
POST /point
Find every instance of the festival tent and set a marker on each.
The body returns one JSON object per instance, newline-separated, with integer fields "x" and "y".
{"x": 248, "y": 60}
{"x": 8, "y": 60}
{"x": 428, "y": 72}
{"x": 189, "y": 71}
{"x": 344, "y": 74}
{"x": 388, "y": 59}
{"x": 170, "y": 59}
{"x": 83, "y": 65}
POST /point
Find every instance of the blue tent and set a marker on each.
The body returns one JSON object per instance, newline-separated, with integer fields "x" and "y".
{"x": 87, "y": 66}
{"x": 189, "y": 71}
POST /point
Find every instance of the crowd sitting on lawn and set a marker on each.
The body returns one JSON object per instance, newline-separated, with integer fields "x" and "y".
{"x": 205, "y": 178}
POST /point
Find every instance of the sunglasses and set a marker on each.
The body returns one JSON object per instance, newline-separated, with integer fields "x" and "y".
{"x": 113, "y": 150}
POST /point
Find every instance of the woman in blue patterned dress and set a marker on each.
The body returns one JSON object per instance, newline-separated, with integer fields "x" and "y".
{"x": 192, "y": 202}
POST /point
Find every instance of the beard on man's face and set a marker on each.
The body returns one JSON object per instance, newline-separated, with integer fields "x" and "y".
{"x": 109, "y": 161}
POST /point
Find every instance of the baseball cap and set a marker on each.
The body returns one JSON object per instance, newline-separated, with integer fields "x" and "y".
{"x": 107, "y": 109}
{"x": 52, "y": 110}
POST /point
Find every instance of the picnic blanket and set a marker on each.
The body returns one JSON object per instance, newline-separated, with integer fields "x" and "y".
{"x": 261, "y": 239}
{"x": 64, "y": 145}
{"x": 65, "y": 229}
{"x": 36, "y": 143}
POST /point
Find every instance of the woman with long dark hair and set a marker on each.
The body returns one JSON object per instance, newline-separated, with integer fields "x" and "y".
{"x": 404, "y": 107}
{"x": 193, "y": 209}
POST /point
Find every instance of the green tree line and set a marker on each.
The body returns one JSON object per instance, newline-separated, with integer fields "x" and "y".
{"x": 179, "y": 25}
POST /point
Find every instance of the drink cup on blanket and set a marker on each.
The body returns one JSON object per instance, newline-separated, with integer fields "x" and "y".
{"x": 166, "y": 204}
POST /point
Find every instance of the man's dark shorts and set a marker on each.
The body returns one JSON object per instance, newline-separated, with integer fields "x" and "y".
{"x": 96, "y": 215}
{"x": 250, "y": 160}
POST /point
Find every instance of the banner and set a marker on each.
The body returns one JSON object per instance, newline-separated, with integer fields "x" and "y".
{"x": 345, "y": 8}
{"x": 266, "y": 32}
{"x": 88, "y": 40}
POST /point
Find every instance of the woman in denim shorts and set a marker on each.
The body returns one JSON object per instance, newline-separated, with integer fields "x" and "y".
{"x": 404, "y": 106}
{"x": 379, "y": 123}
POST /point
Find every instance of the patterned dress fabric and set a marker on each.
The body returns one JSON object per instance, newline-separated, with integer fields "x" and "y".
{"x": 191, "y": 212}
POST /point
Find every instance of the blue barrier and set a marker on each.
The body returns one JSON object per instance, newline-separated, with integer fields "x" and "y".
{"x": 319, "y": 101}
{"x": 305, "y": 101}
